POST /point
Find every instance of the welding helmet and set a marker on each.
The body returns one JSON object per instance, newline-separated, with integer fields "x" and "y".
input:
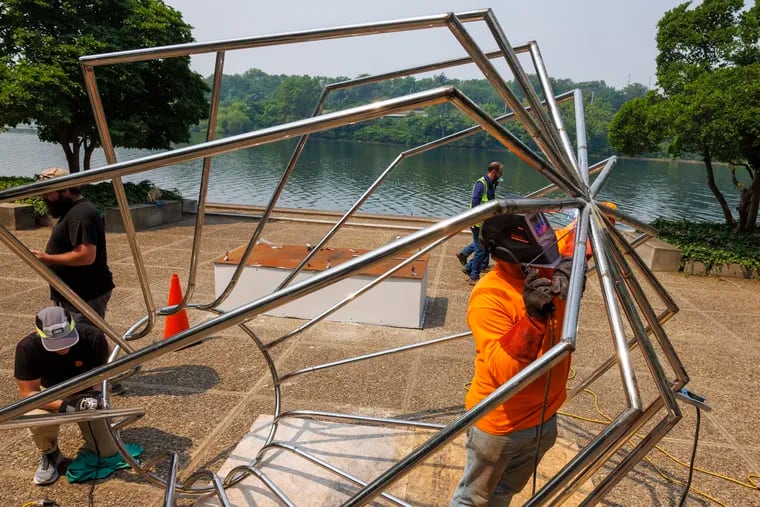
{"x": 521, "y": 238}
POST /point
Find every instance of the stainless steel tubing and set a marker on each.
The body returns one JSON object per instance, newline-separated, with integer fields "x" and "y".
{"x": 364, "y": 357}
{"x": 631, "y": 460}
{"x": 33, "y": 421}
{"x": 545, "y": 126}
{"x": 642, "y": 266}
{"x": 327, "y": 466}
{"x": 628, "y": 220}
{"x": 243, "y": 313}
{"x": 194, "y": 48}
{"x": 543, "y": 78}
{"x": 577, "y": 279}
{"x": 171, "y": 481}
{"x": 264, "y": 479}
{"x": 22, "y": 252}
{"x": 216, "y": 484}
{"x": 233, "y": 143}
{"x": 619, "y": 267}
{"x": 203, "y": 190}
{"x": 548, "y": 189}
{"x": 589, "y": 455}
{"x": 530, "y": 373}
{"x": 375, "y": 421}
{"x": 91, "y": 86}
{"x": 602, "y": 178}
{"x": 514, "y": 144}
{"x": 646, "y": 308}
{"x": 527, "y": 121}
{"x": 613, "y": 314}
{"x": 580, "y": 134}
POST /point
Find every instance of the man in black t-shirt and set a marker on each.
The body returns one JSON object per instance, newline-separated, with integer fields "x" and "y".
{"x": 76, "y": 250}
{"x": 56, "y": 351}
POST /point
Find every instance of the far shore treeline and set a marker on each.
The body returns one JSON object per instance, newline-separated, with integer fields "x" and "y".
{"x": 256, "y": 100}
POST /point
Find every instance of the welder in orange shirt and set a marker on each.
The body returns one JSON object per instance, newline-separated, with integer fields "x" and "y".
{"x": 515, "y": 314}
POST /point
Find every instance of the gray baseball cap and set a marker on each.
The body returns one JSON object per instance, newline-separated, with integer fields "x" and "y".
{"x": 56, "y": 329}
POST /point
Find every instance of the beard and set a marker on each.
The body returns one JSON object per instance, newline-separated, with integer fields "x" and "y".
{"x": 59, "y": 207}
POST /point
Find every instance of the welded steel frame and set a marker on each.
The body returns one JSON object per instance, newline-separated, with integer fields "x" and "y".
{"x": 567, "y": 171}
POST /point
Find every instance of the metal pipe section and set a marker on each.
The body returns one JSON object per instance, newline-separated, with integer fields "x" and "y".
{"x": 544, "y": 124}
{"x": 627, "y": 373}
{"x": 216, "y": 483}
{"x": 580, "y": 134}
{"x": 171, "y": 482}
{"x": 374, "y": 421}
{"x": 33, "y": 421}
{"x": 327, "y": 466}
{"x": 372, "y": 355}
{"x": 233, "y": 143}
{"x": 619, "y": 268}
{"x": 577, "y": 278}
{"x": 527, "y": 121}
{"x": 589, "y": 455}
{"x": 22, "y": 252}
{"x": 543, "y": 78}
{"x": 548, "y": 189}
{"x": 243, "y": 313}
{"x": 513, "y": 143}
{"x": 96, "y": 104}
{"x": 527, "y": 375}
{"x": 247, "y": 470}
{"x": 203, "y": 190}
{"x": 194, "y": 48}
{"x": 646, "y": 308}
{"x": 631, "y": 460}
{"x": 602, "y": 178}
{"x": 361, "y": 200}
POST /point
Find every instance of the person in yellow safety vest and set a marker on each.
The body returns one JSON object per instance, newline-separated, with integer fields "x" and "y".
{"x": 483, "y": 190}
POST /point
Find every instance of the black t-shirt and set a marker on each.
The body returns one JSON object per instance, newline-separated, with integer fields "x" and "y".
{"x": 81, "y": 224}
{"x": 34, "y": 362}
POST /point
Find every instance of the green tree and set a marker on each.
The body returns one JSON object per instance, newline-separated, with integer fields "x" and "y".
{"x": 708, "y": 70}
{"x": 148, "y": 104}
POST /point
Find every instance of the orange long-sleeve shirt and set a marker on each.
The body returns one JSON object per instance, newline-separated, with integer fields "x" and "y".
{"x": 496, "y": 307}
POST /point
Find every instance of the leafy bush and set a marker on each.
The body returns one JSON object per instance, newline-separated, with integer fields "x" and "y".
{"x": 711, "y": 244}
{"x": 100, "y": 194}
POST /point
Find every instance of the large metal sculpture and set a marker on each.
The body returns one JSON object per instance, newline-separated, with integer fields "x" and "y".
{"x": 620, "y": 270}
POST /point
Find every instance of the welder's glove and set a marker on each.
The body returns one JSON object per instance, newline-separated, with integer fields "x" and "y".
{"x": 81, "y": 402}
{"x": 561, "y": 278}
{"x": 537, "y": 296}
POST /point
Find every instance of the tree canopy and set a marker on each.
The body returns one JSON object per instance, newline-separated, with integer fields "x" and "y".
{"x": 708, "y": 71}
{"x": 147, "y": 104}
{"x": 257, "y": 100}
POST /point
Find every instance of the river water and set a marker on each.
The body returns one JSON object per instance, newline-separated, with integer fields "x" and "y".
{"x": 332, "y": 175}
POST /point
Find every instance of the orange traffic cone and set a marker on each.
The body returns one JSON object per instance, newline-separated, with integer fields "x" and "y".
{"x": 176, "y": 322}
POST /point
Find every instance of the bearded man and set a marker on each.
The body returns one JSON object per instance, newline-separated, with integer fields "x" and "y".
{"x": 76, "y": 250}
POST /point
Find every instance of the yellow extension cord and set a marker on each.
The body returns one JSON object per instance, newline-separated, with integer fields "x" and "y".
{"x": 750, "y": 483}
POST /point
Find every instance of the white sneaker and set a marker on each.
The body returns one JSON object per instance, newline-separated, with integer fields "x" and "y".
{"x": 47, "y": 472}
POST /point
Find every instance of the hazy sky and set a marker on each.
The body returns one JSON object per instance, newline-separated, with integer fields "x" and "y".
{"x": 610, "y": 40}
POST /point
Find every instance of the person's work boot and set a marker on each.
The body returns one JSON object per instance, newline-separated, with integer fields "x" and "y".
{"x": 47, "y": 472}
{"x": 473, "y": 281}
{"x": 465, "y": 270}
{"x": 461, "y": 258}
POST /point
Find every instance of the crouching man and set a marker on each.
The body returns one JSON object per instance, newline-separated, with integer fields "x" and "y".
{"x": 56, "y": 351}
{"x": 515, "y": 314}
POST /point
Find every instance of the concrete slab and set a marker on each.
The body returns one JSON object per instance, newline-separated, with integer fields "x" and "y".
{"x": 364, "y": 452}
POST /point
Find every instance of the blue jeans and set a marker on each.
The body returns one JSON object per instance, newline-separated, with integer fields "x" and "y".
{"x": 499, "y": 466}
{"x": 480, "y": 260}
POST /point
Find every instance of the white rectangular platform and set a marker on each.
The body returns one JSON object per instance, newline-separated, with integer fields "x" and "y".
{"x": 398, "y": 301}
